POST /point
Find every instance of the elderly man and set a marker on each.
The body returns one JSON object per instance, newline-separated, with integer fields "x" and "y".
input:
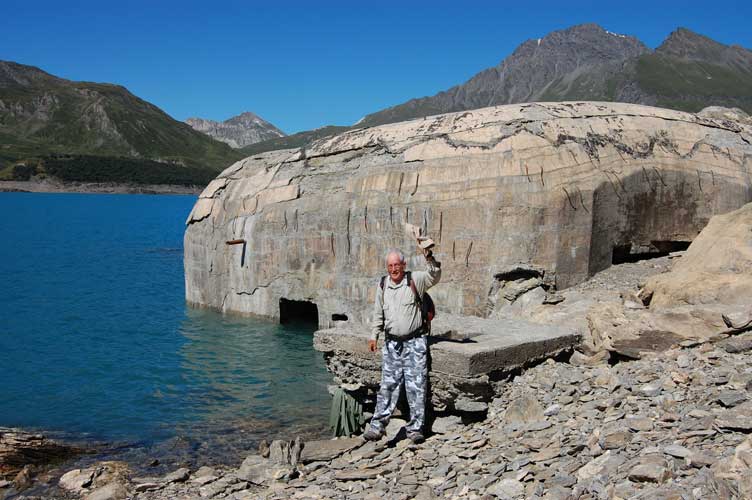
{"x": 397, "y": 313}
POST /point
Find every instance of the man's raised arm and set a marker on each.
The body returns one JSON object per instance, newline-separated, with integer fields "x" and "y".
{"x": 431, "y": 276}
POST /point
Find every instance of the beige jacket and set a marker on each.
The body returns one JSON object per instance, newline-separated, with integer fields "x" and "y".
{"x": 398, "y": 313}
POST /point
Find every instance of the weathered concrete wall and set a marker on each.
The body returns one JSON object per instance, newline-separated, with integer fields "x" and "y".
{"x": 555, "y": 185}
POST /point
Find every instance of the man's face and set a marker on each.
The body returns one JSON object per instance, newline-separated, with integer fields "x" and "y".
{"x": 395, "y": 268}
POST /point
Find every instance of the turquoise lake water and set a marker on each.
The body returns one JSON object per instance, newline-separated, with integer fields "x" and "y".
{"x": 96, "y": 341}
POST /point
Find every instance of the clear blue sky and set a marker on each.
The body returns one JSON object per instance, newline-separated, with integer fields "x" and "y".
{"x": 302, "y": 65}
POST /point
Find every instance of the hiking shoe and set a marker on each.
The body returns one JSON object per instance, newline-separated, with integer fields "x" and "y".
{"x": 415, "y": 437}
{"x": 373, "y": 435}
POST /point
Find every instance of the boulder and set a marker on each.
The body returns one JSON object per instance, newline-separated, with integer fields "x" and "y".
{"x": 77, "y": 480}
{"x": 179, "y": 476}
{"x": 102, "y": 481}
{"x": 717, "y": 267}
{"x": 257, "y": 470}
{"x": 711, "y": 279}
{"x": 614, "y": 327}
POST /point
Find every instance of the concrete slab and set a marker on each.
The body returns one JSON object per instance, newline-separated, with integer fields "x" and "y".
{"x": 482, "y": 345}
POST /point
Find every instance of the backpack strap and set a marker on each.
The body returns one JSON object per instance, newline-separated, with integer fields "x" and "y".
{"x": 413, "y": 288}
{"x": 426, "y": 323}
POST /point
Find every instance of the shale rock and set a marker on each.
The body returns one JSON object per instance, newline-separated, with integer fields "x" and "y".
{"x": 328, "y": 449}
{"x": 19, "y": 448}
{"x": 607, "y": 440}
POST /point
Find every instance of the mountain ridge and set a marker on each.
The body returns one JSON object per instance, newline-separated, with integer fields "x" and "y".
{"x": 587, "y": 62}
{"x": 42, "y": 114}
{"x": 238, "y": 131}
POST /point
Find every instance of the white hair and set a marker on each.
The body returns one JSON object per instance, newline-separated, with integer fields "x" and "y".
{"x": 395, "y": 251}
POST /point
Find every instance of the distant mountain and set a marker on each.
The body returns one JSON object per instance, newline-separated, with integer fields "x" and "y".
{"x": 238, "y": 131}
{"x": 43, "y": 115}
{"x": 687, "y": 72}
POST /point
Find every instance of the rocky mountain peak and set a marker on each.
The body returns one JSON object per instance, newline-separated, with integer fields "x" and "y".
{"x": 685, "y": 43}
{"x": 239, "y": 131}
{"x": 249, "y": 119}
{"x": 244, "y": 117}
{"x": 597, "y": 41}
{"x": 538, "y": 69}
{"x": 585, "y": 43}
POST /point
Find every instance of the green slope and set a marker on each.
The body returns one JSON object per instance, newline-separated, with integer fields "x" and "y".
{"x": 692, "y": 85}
{"x": 42, "y": 115}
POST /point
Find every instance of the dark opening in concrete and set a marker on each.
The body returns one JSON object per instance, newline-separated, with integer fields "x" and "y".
{"x": 518, "y": 272}
{"x": 298, "y": 311}
{"x": 339, "y": 317}
{"x": 623, "y": 253}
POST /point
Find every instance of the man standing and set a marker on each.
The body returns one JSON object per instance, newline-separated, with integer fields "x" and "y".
{"x": 397, "y": 313}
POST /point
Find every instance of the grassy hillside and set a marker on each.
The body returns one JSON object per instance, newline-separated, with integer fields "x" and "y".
{"x": 43, "y": 116}
{"x": 107, "y": 169}
{"x": 693, "y": 85}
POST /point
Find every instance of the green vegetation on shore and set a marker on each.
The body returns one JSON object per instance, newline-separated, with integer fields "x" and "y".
{"x": 106, "y": 169}
{"x": 71, "y": 125}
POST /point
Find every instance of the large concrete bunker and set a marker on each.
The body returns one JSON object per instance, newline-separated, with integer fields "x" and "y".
{"x": 523, "y": 200}
{"x": 564, "y": 187}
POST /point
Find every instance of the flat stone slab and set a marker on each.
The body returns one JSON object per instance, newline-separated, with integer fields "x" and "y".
{"x": 486, "y": 345}
{"x": 328, "y": 449}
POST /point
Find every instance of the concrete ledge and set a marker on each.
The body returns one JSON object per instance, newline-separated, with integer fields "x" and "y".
{"x": 491, "y": 344}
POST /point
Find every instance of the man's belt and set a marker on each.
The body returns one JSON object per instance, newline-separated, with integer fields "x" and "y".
{"x": 412, "y": 335}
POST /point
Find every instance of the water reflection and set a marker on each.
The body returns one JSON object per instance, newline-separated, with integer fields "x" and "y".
{"x": 98, "y": 344}
{"x": 239, "y": 368}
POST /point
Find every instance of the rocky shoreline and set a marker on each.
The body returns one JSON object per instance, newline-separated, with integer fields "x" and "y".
{"x": 89, "y": 187}
{"x": 609, "y": 420}
{"x": 654, "y": 403}
{"x": 670, "y": 425}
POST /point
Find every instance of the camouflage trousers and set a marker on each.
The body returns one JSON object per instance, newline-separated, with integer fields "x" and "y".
{"x": 404, "y": 361}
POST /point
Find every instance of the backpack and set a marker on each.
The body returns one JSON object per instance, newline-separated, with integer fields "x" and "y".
{"x": 427, "y": 307}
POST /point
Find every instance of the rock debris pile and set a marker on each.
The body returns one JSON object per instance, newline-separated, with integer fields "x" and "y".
{"x": 670, "y": 425}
